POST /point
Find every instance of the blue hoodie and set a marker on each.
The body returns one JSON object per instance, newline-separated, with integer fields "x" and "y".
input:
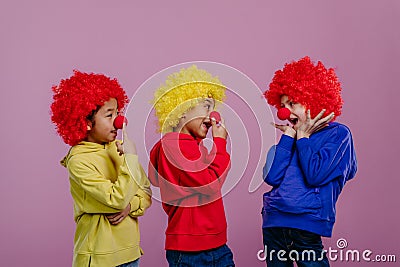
{"x": 307, "y": 177}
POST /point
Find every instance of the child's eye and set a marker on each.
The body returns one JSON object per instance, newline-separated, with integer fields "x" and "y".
{"x": 109, "y": 115}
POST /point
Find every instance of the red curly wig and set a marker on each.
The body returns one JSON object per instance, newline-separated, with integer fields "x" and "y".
{"x": 78, "y": 97}
{"x": 315, "y": 87}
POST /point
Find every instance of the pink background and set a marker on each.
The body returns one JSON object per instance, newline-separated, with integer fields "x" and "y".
{"x": 42, "y": 41}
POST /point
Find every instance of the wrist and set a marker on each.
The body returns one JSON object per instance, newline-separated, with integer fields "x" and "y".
{"x": 290, "y": 133}
{"x": 220, "y": 143}
{"x": 302, "y": 135}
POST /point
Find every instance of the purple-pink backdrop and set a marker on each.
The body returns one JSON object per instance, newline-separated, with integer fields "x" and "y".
{"x": 42, "y": 41}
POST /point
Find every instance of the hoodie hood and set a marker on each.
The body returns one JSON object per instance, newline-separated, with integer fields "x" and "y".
{"x": 82, "y": 148}
{"x": 349, "y": 167}
{"x": 171, "y": 139}
{"x": 153, "y": 164}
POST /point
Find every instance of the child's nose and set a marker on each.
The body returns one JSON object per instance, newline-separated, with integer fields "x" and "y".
{"x": 283, "y": 113}
{"x": 215, "y": 115}
{"x": 119, "y": 122}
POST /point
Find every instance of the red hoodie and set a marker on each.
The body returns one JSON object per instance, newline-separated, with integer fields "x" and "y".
{"x": 190, "y": 181}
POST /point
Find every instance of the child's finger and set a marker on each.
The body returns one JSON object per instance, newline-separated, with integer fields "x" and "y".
{"x": 120, "y": 148}
{"x": 279, "y": 126}
{"x": 332, "y": 115}
{"x": 117, "y": 218}
{"x": 118, "y": 145}
{"x": 117, "y": 221}
{"x": 222, "y": 122}
{"x": 319, "y": 116}
{"x": 213, "y": 121}
{"x": 112, "y": 216}
{"x": 327, "y": 118}
{"x": 308, "y": 115}
{"x": 321, "y": 126}
{"x": 276, "y": 125}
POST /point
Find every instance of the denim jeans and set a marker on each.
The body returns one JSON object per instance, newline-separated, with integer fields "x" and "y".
{"x": 134, "y": 263}
{"x": 283, "y": 246}
{"x": 218, "y": 257}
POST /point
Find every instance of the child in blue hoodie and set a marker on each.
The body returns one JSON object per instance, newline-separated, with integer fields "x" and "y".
{"x": 309, "y": 166}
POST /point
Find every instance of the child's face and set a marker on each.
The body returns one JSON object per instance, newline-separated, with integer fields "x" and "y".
{"x": 102, "y": 130}
{"x": 297, "y": 111}
{"x": 196, "y": 121}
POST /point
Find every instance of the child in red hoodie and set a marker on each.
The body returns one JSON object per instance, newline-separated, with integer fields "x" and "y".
{"x": 190, "y": 178}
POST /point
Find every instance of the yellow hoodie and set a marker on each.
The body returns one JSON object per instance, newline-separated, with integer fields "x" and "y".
{"x": 102, "y": 182}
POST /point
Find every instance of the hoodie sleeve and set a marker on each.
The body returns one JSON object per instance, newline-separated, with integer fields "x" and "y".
{"x": 185, "y": 171}
{"x": 332, "y": 160}
{"x": 278, "y": 160}
{"x": 203, "y": 173}
{"x": 108, "y": 197}
{"x": 142, "y": 199}
{"x": 140, "y": 203}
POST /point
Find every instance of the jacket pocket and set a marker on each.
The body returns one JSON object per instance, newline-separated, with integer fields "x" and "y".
{"x": 293, "y": 195}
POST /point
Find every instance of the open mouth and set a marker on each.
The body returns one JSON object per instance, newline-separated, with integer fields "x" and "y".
{"x": 293, "y": 120}
{"x": 206, "y": 124}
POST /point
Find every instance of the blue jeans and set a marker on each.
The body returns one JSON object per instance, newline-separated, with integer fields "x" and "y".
{"x": 134, "y": 263}
{"x": 218, "y": 257}
{"x": 283, "y": 246}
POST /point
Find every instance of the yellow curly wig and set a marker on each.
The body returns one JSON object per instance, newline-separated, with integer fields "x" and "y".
{"x": 182, "y": 91}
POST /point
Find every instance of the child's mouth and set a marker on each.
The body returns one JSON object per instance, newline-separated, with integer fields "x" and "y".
{"x": 293, "y": 121}
{"x": 206, "y": 125}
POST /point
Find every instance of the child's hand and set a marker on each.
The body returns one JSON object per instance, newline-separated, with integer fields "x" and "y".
{"x": 219, "y": 130}
{"x": 311, "y": 126}
{"x": 128, "y": 147}
{"x": 286, "y": 129}
{"x": 116, "y": 218}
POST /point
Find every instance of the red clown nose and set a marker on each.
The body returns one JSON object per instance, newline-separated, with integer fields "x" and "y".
{"x": 119, "y": 122}
{"x": 216, "y": 116}
{"x": 283, "y": 113}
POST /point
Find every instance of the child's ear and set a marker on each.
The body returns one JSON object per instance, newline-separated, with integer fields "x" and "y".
{"x": 181, "y": 120}
{"x": 89, "y": 125}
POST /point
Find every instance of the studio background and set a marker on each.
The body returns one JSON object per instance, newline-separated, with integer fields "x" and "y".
{"x": 43, "y": 41}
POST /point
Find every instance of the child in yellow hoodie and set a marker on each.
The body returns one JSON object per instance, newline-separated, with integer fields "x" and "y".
{"x": 108, "y": 185}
